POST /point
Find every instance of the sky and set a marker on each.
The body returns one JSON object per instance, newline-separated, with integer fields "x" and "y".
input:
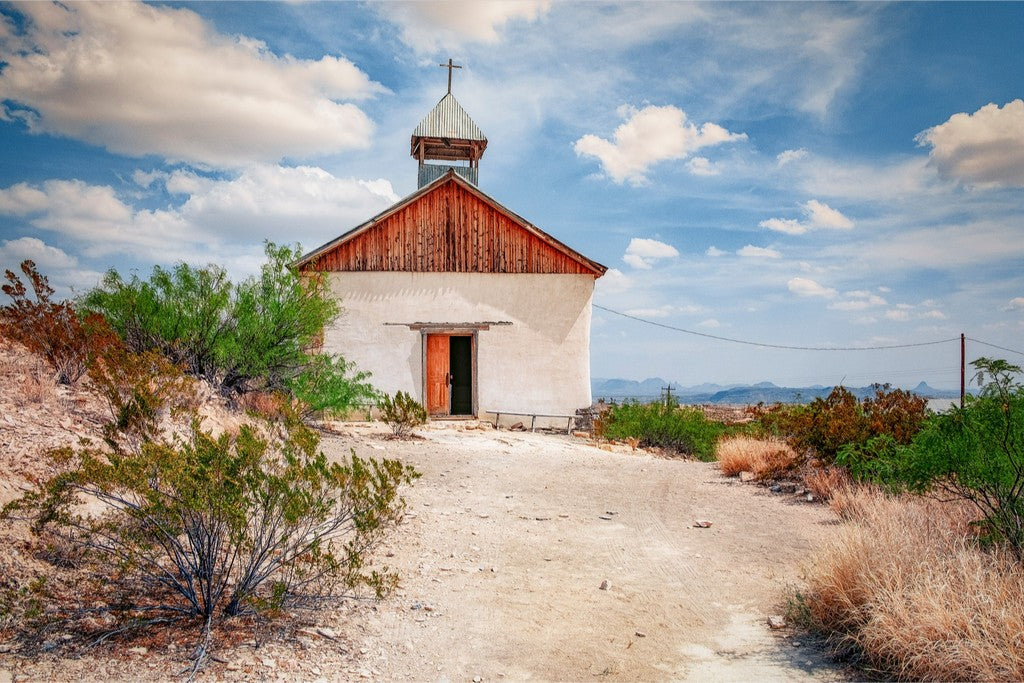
{"x": 817, "y": 175}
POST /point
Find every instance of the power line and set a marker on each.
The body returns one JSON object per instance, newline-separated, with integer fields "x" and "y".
{"x": 1001, "y": 348}
{"x": 786, "y": 346}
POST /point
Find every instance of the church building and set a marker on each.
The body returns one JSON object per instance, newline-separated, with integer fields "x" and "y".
{"x": 455, "y": 299}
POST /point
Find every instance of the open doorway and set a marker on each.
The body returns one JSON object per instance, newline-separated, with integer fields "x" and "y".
{"x": 449, "y": 374}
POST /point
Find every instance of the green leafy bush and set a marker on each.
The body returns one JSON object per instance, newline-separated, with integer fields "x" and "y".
{"x": 975, "y": 453}
{"x": 331, "y": 385}
{"x": 253, "y": 335}
{"x": 402, "y": 413}
{"x": 684, "y": 430}
{"x": 212, "y": 527}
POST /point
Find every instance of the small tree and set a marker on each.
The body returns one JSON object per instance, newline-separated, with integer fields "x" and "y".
{"x": 402, "y": 413}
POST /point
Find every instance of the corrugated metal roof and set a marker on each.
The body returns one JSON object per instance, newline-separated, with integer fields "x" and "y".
{"x": 448, "y": 120}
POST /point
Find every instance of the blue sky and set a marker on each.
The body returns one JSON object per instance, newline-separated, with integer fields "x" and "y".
{"x": 820, "y": 175}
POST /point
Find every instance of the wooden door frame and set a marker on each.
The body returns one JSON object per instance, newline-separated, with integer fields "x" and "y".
{"x": 471, "y": 332}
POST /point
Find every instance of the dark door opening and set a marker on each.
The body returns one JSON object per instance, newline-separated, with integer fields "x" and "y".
{"x": 461, "y": 368}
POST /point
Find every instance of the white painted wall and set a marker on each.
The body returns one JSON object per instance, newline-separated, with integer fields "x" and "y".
{"x": 540, "y": 363}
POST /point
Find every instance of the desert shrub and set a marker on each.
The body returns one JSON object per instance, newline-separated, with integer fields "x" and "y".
{"x": 684, "y": 430}
{"x": 137, "y": 389}
{"x": 402, "y": 413}
{"x": 331, "y": 385}
{"x": 212, "y": 527}
{"x": 49, "y": 328}
{"x": 183, "y": 313}
{"x": 277, "y": 317}
{"x": 895, "y": 413}
{"x": 242, "y": 337}
{"x": 975, "y": 454}
{"x": 825, "y": 426}
{"x": 764, "y": 458}
{"x": 871, "y": 460}
{"x": 906, "y": 592}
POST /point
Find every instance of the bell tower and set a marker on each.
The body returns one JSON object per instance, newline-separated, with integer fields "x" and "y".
{"x": 449, "y": 136}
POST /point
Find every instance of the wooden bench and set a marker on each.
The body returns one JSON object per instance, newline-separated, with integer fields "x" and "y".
{"x": 533, "y": 418}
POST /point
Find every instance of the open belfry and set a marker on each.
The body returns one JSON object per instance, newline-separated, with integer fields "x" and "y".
{"x": 455, "y": 299}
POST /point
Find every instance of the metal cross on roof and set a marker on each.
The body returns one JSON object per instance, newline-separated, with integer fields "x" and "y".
{"x": 450, "y": 65}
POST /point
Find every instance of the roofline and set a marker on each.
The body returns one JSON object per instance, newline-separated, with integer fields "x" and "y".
{"x": 451, "y": 176}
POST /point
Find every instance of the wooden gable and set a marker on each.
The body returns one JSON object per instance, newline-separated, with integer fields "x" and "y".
{"x": 448, "y": 226}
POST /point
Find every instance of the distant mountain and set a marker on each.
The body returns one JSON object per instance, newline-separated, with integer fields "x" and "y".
{"x": 737, "y": 394}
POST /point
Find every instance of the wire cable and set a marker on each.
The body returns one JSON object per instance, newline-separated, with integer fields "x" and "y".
{"x": 785, "y": 346}
{"x": 1001, "y": 348}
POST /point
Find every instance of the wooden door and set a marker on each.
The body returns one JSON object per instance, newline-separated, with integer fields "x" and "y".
{"x": 438, "y": 374}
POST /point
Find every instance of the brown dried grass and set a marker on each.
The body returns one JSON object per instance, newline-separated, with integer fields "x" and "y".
{"x": 906, "y": 587}
{"x": 825, "y": 482}
{"x": 765, "y": 458}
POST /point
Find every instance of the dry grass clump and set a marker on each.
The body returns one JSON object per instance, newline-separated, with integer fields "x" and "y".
{"x": 907, "y": 589}
{"x": 765, "y": 458}
{"x": 826, "y": 482}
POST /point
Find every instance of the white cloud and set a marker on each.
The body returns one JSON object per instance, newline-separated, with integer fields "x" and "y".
{"x": 45, "y": 256}
{"x": 710, "y": 324}
{"x": 819, "y": 216}
{"x": 22, "y": 199}
{"x": 281, "y": 203}
{"x": 802, "y": 286}
{"x": 650, "y": 135}
{"x": 934, "y": 314}
{"x": 957, "y": 245}
{"x": 141, "y": 79}
{"x": 790, "y": 226}
{"x": 429, "y": 26}
{"x": 663, "y": 311}
{"x": 822, "y": 215}
{"x": 60, "y": 268}
{"x": 642, "y": 252}
{"x": 1017, "y": 303}
{"x": 750, "y": 251}
{"x": 858, "y": 300}
{"x": 701, "y": 166}
{"x": 225, "y": 219}
{"x": 790, "y": 155}
{"x": 985, "y": 148}
{"x": 614, "y": 281}
{"x": 660, "y": 312}
{"x": 897, "y": 314}
{"x": 714, "y": 251}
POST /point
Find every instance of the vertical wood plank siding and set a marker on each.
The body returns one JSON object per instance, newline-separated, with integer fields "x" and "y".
{"x": 448, "y": 230}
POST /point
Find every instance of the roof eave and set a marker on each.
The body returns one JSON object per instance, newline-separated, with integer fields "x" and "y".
{"x": 597, "y": 268}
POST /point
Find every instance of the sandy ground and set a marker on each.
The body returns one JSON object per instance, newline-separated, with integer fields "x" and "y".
{"x": 508, "y": 540}
{"x": 511, "y": 535}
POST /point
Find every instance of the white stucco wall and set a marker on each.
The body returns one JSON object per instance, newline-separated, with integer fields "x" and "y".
{"x": 540, "y": 363}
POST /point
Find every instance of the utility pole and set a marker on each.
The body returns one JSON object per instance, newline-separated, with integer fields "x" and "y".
{"x": 962, "y": 359}
{"x": 668, "y": 395}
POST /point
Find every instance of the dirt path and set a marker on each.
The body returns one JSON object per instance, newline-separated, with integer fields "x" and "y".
{"x": 508, "y": 540}
{"x": 510, "y": 536}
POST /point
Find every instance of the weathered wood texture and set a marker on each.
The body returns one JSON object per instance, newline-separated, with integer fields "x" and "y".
{"x": 452, "y": 230}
